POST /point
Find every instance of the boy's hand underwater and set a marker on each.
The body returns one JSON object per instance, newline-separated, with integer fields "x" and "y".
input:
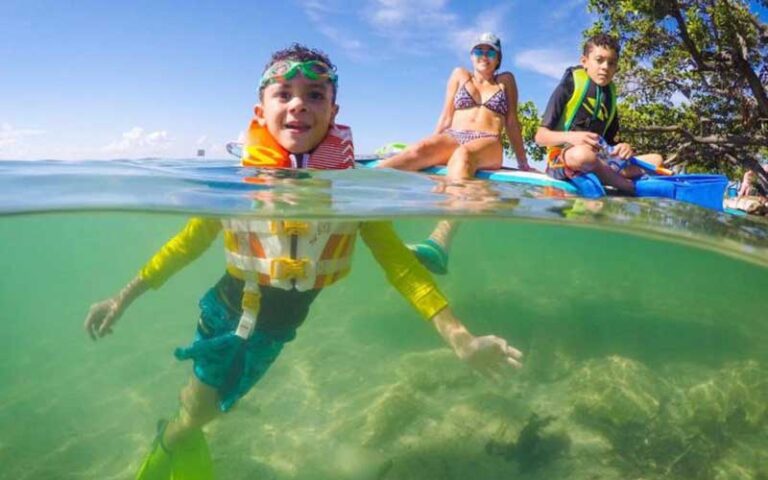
{"x": 102, "y": 315}
{"x": 490, "y": 355}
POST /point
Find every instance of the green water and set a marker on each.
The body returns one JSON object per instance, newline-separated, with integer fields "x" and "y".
{"x": 649, "y": 356}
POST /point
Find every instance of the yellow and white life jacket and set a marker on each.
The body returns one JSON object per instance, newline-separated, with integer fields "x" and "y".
{"x": 289, "y": 254}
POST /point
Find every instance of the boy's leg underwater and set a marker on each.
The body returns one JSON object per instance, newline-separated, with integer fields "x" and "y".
{"x": 180, "y": 451}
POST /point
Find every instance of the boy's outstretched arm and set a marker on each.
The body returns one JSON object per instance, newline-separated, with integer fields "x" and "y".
{"x": 490, "y": 355}
{"x": 196, "y": 236}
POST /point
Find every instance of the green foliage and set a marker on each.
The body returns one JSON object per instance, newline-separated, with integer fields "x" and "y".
{"x": 530, "y": 120}
{"x": 690, "y": 79}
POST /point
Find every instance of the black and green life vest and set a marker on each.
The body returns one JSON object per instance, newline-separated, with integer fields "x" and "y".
{"x": 581, "y": 84}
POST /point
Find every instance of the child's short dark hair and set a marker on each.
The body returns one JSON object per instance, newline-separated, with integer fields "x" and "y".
{"x": 299, "y": 53}
{"x": 602, "y": 40}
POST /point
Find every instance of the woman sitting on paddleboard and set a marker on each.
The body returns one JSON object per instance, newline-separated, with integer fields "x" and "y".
{"x": 478, "y": 106}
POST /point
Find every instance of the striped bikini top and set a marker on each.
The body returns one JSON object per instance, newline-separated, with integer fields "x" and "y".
{"x": 497, "y": 103}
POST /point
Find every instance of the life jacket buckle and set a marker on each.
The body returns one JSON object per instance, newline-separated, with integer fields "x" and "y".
{"x": 251, "y": 301}
{"x": 288, "y": 227}
{"x": 288, "y": 269}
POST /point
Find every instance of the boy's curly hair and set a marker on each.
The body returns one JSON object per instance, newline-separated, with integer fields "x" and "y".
{"x": 299, "y": 53}
{"x": 602, "y": 40}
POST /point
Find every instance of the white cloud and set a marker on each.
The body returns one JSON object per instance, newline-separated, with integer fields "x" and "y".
{"x": 400, "y": 14}
{"x": 567, "y": 8}
{"x": 320, "y": 14}
{"x": 10, "y": 136}
{"x": 549, "y": 62}
{"x": 138, "y": 142}
{"x": 430, "y": 24}
{"x": 486, "y": 21}
{"x": 352, "y": 46}
{"x": 410, "y": 21}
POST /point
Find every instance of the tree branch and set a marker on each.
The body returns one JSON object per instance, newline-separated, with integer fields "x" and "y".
{"x": 742, "y": 64}
{"x": 762, "y": 29}
{"x": 731, "y": 140}
{"x": 682, "y": 28}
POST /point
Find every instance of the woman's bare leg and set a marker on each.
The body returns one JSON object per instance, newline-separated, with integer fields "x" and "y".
{"x": 433, "y": 150}
{"x": 483, "y": 153}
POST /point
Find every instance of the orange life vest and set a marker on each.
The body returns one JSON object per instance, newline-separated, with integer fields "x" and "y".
{"x": 335, "y": 152}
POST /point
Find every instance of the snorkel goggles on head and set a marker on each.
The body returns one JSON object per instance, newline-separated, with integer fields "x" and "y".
{"x": 285, "y": 70}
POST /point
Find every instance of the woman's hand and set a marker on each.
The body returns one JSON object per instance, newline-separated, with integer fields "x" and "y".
{"x": 523, "y": 166}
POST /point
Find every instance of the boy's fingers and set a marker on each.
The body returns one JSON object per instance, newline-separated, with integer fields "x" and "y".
{"x": 106, "y": 323}
{"x": 90, "y": 324}
{"x": 511, "y": 357}
{"x": 513, "y": 352}
{"x": 514, "y": 363}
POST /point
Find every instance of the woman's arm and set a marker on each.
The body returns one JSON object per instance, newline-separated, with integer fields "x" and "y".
{"x": 512, "y": 123}
{"x": 446, "y": 116}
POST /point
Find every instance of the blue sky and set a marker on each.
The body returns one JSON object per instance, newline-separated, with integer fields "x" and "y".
{"x": 115, "y": 79}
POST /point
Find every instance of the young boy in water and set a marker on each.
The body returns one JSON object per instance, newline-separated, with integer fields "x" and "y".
{"x": 580, "y": 111}
{"x": 276, "y": 269}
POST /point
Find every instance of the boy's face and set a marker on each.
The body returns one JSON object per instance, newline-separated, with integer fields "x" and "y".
{"x": 601, "y": 64}
{"x": 297, "y": 112}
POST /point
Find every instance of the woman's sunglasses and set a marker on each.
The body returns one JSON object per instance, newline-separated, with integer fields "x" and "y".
{"x": 479, "y": 52}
